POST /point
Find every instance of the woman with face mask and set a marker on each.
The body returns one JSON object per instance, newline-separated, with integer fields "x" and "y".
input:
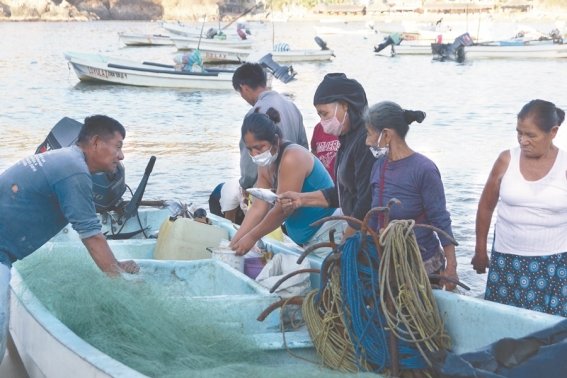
{"x": 282, "y": 166}
{"x": 340, "y": 102}
{"x": 400, "y": 172}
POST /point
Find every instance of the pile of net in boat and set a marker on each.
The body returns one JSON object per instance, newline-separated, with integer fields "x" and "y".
{"x": 375, "y": 309}
{"x": 135, "y": 324}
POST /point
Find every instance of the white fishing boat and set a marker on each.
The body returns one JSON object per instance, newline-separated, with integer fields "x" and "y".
{"x": 307, "y": 55}
{"x": 187, "y": 43}
{"x": 134, "y": 39}
{"x": 180, "y": 29}
{"x": 41, "y": 338}
{"x": 104, "y": 69}
{"x": 218, "y": 54}
{"x": 282, "y": 52}
{"x": 517, "y": 51}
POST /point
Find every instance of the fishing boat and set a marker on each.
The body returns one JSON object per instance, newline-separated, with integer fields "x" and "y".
{"x": 517, "y": 51}
{"x": 187, "y": 43}
{"x": 217, "y": 54}
{"x": 134, "y": 39}
{"x": 283, "y": 53}
{"x": 105, "y": 69}
{"x": 41, "y": 338}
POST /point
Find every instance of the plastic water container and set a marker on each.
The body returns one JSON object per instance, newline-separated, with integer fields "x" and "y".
{"x": 253, "y": 266}
{"x": 186, "y": 239}
{"x": 227, "y": 255}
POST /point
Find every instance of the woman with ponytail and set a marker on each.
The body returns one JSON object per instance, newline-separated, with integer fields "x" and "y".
{"x": 400, "y": 172}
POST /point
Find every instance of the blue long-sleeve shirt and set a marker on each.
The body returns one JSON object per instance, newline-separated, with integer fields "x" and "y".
{"x": 416, "y": 182}
{"x": 39, "y": 195}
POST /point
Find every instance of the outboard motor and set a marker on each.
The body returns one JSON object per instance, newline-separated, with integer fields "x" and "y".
{"x": 108, "y": 188}
{"x": 283, "y": 73}
{"x": 211, "y": 33}
{"x": 322, "y": 44}
{"x": 452, "y": 51}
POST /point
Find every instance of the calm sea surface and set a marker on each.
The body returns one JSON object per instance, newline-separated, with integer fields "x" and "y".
{"x": 470, "y": 108}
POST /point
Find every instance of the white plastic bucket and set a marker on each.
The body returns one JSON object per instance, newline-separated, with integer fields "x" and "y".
{"x": 228, "y": 256}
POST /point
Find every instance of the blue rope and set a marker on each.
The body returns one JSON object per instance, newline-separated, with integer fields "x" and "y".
{"x": 361, "y": 299}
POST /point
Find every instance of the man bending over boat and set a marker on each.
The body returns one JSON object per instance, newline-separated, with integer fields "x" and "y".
{"x": 40, "y": 194}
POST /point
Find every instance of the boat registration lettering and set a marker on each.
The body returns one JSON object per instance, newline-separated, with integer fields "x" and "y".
{"x": 106, "y": 73}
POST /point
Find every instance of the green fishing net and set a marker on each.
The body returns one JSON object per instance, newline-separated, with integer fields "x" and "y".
{"x": 136, "y": 324}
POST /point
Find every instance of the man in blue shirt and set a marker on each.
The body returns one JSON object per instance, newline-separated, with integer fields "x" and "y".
{"x": 40, "y": 194}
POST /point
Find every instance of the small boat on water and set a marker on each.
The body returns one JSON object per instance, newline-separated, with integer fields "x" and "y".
{"x": 133, "y": 39}
{"x": 283, "y": 53}
{"x": 188, "y": 43}
{"x": 104, "y": 69}
{"x": 217, "y": 54}
{"x": 463, "y": 48}
{"x": 41, "y": 338}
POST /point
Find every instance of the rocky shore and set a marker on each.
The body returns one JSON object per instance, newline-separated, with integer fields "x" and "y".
{"x": 192, "y": 10}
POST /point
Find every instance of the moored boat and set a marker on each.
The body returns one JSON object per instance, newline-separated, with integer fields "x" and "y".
{"x": 187, "y": 43}
{"x": 517, "y": 51}
{"x": 41, "y": 338}
{"x": 100, "y": 68}
{"x": 132, "y": 39}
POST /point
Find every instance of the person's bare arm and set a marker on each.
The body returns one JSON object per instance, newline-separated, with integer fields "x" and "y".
{"x": 104, "y": 258}
{"x": 486, "y": 205}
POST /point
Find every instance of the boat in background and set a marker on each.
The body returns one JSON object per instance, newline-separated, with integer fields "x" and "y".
{"x": 41, "y": 338}
{"x": 283, "y": 53}
{"x": 133, "y": 39}
{"x": 187, "y": 43}
{"x": 215, "y": 54}
{"x": 104, "y": 69}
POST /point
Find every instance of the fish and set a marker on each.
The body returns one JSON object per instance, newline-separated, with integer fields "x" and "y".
{"x": 263, "y": 194}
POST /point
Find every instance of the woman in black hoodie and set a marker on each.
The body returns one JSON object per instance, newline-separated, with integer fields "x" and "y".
{"x": 340, "y": 102}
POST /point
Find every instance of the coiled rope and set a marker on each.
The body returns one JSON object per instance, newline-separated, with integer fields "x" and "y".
{"x": 413, "y": 316}
{"x": 323, "y": 314}
{"x": 361, "y": 296}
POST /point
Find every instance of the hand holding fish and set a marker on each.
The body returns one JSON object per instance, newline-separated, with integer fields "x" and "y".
{"x": 289, "y": 201}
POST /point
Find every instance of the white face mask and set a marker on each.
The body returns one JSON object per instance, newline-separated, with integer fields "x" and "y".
{"x": 265, "y": 158}
{"x": 332, "y": 125}
{"x": 378, "y": 151}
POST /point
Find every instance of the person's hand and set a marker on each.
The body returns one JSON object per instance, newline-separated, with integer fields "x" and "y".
{"x": 450, "y": 272}
{"x": 129, "y": 266}
{"x": 480, "y": 261}
{"x": 243, "y": 245}
{"x": 289, "y": 202}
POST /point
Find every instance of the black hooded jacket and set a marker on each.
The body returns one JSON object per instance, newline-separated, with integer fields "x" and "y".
{"x": 354, "y": 161}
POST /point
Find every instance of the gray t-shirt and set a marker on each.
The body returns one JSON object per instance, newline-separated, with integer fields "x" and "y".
{"x": 291, "y": 125}
{"x": 39, "y": 195}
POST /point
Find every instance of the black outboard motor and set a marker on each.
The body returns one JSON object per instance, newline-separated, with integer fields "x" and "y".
{"x": 452, "y": 51}
{"x": 322, "y": 44}
{"x": 283, "y": 73}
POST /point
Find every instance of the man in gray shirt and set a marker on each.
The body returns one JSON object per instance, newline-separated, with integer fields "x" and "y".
{"x": 250, "y": 81}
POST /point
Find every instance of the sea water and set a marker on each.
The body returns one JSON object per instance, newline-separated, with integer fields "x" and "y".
{"x": 471, "y": 108}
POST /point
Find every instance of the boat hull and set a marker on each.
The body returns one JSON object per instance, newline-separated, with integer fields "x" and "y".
{"x": 107, "y": 70}
{"x": 41, "y": 339}
{"x": 549, "y": 50}
{"x": 144, "y": 39}
{"x": 302, "y": 56}
{"x": 188, "y": 43}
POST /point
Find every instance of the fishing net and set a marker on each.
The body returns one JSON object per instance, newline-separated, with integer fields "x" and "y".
{"x": 133, "y": 322}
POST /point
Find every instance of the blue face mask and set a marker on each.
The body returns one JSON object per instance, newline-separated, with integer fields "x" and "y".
{"x": 378, "y": 151}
